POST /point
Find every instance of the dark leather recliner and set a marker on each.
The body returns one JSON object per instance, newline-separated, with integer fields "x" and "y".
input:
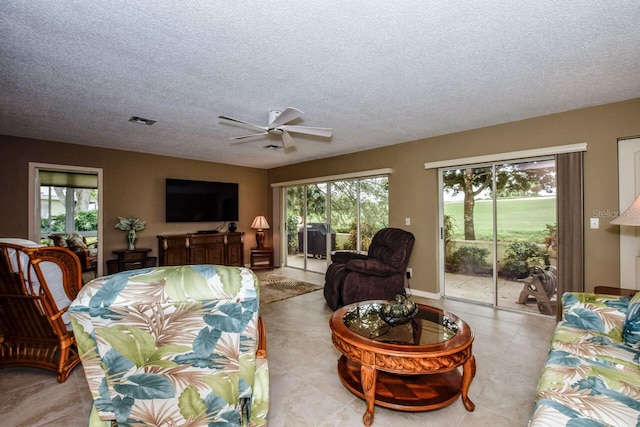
{"x": 380, "y": 274}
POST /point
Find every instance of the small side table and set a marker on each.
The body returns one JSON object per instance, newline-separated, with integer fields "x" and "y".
{"x": 130, "y": 260}
{"x": 262, "y": 259}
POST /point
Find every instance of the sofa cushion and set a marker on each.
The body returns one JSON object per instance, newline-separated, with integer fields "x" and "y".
{"x": 591, "y": 376}
{"x": 631, "y": 328}
{"x": 595, "y": 347}
{"x": 604, "y": 314}
{"x": 574, "y": 391}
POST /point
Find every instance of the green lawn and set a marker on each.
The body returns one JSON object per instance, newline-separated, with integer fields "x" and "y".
{"x": 524, "y": 218}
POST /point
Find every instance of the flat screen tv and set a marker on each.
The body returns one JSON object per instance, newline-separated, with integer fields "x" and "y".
{"x": 201, "y": 201}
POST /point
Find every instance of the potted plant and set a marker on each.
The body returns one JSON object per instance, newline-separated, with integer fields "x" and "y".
{"x": 131, "y": 225}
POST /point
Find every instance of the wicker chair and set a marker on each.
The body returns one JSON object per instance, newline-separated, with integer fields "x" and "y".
{"x": 37, "y": 284}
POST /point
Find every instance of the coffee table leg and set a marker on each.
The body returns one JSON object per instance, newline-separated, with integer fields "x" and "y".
{"x": 468, "y": 372}
{"x": 368, "y": 376}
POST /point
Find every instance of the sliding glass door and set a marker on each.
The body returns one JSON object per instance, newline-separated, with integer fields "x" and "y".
{"x": 468, "y": 231}
{"x": 313, "y": 235}
{"x": 498, "y": 227}
{"x": 307, "y": 227}
{"x": 335, "y": 215}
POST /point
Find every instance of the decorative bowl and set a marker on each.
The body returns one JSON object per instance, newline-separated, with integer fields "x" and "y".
{"x": 399, "y": 311}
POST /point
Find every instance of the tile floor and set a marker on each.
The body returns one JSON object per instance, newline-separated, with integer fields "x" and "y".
{"x": 481, "y": 290}
{"x": 510, "y": 349}
{"x": 458, "y": 286}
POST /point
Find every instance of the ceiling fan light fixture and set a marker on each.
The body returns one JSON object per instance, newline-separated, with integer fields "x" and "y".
{"x": 141, "y": 121}
{"x": 272, "y": 147}
{"x": 279, "y": 126}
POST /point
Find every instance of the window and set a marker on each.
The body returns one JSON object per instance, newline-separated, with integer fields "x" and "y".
{"x": 80, "y": 195}
{"x": 341, "y": 214}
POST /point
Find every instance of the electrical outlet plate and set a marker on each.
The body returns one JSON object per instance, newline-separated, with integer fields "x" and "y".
{"x": 409, "y": 273}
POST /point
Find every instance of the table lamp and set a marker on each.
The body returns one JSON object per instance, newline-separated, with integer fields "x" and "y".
{"x": 259, "y": 224}
{"x": 631, "y": 216}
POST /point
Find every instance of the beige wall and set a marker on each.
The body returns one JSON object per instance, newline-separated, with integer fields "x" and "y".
{"x": 134, "y": 182}
{"x": 413, "y": 191}
{"x": 134, "y": 185}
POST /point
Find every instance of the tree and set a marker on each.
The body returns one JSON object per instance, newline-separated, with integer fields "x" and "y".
{"x": 373, "y": 194}
{"x": 471, "y": 182}
{"x": 512, "y": 179}
{"x": 316, "y": 202}
{"x": 83, "y": 200}
{"x": 84, "y": 218}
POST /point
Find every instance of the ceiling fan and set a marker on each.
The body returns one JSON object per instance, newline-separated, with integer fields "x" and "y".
{"x": 278, "y": 126}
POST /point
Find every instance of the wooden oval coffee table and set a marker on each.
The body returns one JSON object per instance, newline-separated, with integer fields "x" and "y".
{"x": 410, "y": 367}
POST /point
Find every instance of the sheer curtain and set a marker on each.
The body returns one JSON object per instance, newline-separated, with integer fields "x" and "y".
{"x": 570, "y": 225}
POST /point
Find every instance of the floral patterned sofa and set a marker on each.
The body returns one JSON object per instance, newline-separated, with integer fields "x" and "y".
{"x": 174, "y": 346}
{"x": 591, "y": 375}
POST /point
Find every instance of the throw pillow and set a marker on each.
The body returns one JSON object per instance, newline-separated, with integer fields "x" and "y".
{"x": 76, "y": 241}
{"x": 631, "y": 328}
{"x": 60, "y": 240}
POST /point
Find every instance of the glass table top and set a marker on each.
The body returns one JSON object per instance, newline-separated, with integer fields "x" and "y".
{"x": 428, "y": 326}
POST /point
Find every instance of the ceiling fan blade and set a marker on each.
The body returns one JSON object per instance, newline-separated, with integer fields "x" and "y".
{"x": 289, "y": 114}
{"x": 231, "y": 119}
{"x": 250, "y": 136}
{"x": 325, "y": 132}
{"x": 244, "y": 141}
{"x": 287, "y": 140}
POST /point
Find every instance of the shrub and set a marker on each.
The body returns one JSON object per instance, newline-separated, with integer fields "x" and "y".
{"x": 551, "y": 239}
{"x": 520, "y": 257}
{"x": 86, "y": 220}
{"x": 367, "y": 231}
{"x": 292, "y": 235}
{"x": 57, "y": 224}
{"x": 470, "y": 260}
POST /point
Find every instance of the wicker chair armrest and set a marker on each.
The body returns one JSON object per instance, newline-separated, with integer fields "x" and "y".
{"x": 262, "y": 340}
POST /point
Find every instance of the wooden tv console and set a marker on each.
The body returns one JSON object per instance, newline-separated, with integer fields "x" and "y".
{"x": 200, "y": 248}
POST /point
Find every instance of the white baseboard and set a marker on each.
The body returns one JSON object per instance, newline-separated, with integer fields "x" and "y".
{"x": 423, "y": 294}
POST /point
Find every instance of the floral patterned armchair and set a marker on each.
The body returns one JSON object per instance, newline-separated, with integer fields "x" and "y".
{"x": 179, "y": 345}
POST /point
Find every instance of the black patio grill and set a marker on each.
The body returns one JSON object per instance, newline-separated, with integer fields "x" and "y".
{"x": 317, "y": 239}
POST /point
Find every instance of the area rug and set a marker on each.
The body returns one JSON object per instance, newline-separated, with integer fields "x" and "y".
{"x": 272, "y": 290}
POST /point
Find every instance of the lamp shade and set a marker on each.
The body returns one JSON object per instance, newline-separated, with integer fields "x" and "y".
{"x": 260, "y": 223}
{"x": 631, "y": 216}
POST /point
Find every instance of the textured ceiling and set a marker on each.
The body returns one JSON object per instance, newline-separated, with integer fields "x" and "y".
{"x": 378, "y": 72}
